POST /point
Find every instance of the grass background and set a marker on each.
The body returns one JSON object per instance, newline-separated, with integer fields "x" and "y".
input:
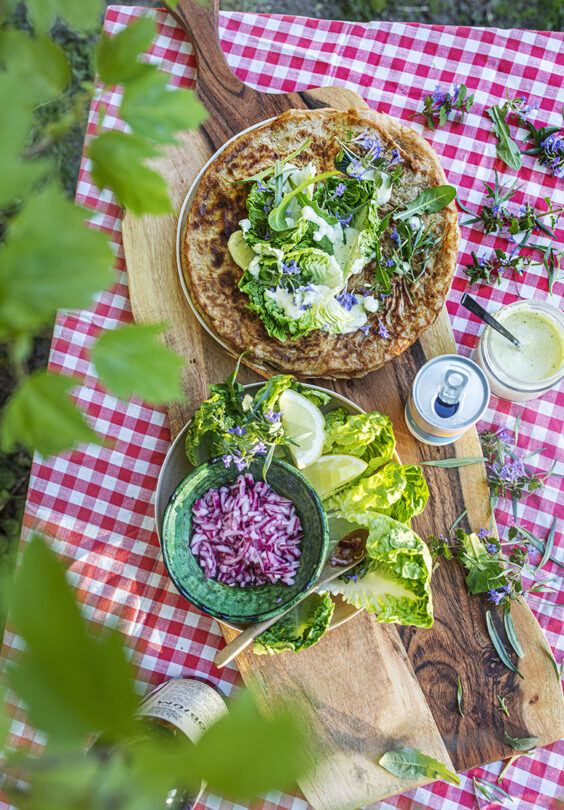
{"x": 540, "y": 15}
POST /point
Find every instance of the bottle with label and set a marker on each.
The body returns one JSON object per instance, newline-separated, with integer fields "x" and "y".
{"x": 181, "y": 706}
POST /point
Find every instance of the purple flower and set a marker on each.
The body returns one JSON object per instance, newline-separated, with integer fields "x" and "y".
{"x": 227, "y": 460}
{"x": 492, "y": 548}
{"x": 345, "y": 220}
{"x": 272, "y": 415}
{"x": 346, "y": 300}
{"x": 265, "y": 207}
{"x": 509, "y": 472}
{"x": 305, "y": 306}
{"x": 396, "y": 158}
{"x": 552, "y": 154}
{"x": 438, "y": 96}
{"x": 496, "y": 596}
{"x": 339, "y": 191}
{"x": 382, "y": 330}
{"x": 503, "y": 434}
{"x": 455, "y": 92}
{"x": 240, "y": 463}
{"x": 365, "y": 329}
{"x": 290, "y": 267}
{"x": 482, "y": 533}
{"x": 356, "y": 168}
{"x": 260, "y": 186}
{"x": 369, "y": 142}
{"x": 383, "y": 296}
{"x": 239, "y": 430}
{"x": 525, "y": 111}
{"x": 496, "y": 209}
{"x": 260, "y": 447}
{"x": 395, "y": 237}
{"x": 309, "y": 286}
{"x": 390, "y": 263}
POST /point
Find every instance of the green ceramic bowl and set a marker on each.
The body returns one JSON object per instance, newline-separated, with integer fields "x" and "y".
{"x": 242, "y": 605}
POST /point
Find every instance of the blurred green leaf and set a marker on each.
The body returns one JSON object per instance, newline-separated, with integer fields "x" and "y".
{"x": 245, "y": 754}
{"x": 40, "y": 64}
{"x": 131, "y": 360}
{"x": 156, "y": 112}
{"x": 40, "y": 415}
{"x": 116, "y": 57}
{"x": 72, "y": 682}
{"x": 50, "y": 260}
{"x": 4, "y": 719}
{"x": 117, "y": 162}
{"x": 80, "y": 15}
{"x": 16, "y": 173}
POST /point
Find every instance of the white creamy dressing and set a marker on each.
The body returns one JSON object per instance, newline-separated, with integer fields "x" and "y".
{"x": 291, "y": 303}
{"x": 542, "y": 345}
{"x": 334, "y": 233}
{"x": 370, "y": 303}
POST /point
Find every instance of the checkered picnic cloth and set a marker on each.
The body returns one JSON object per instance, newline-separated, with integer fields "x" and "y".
{"x": 98, "y": 502}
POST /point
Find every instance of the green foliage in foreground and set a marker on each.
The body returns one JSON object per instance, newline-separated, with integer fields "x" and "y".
{"x": 76, "y": 682}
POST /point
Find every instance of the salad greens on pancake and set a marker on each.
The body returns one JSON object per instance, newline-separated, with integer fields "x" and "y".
{"x": 307, "y": 236}
{"x": 392, "y": 581}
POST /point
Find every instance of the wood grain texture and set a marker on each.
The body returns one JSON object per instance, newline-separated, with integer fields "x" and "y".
{"x": 365, "y": 688}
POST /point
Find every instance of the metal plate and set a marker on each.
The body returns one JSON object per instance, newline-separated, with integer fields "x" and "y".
{"x": 176, "y": 467}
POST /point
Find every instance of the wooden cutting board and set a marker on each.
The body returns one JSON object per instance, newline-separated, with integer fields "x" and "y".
{"x": 364, "y": 688}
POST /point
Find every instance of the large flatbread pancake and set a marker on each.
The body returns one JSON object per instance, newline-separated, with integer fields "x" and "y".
{"x": 212, "y": 276}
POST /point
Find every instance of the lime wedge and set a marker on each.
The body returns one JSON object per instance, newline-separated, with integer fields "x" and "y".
{"x": 303, "y": 422}
{"x": 331, "y": 472}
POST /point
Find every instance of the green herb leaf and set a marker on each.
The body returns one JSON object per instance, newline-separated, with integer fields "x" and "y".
{"x": 118, "y": 162}
{"x": 44, "y": 266}
{"x": 458, "y": 519}
{"x": 277, "y": 217}
{"x": 117, "y": 57}
{"x": 548, "y": 546}
{"x": 507, "y": 765}
{"x": 459, "y": 698}
{"x": 497, "y": 643}
{"x": 428, "y": 202}
{"x": 94, "y": 688}
{"x": 449, "y": 463}
{"x": 512, "y": 633}
{"x": 520, "y": 743}
{"x": 507, "y": 149}
{"x": 489, "y": 789}
{"x": 410, "y": 763}
{"x": 83, "y": 16}
{"x": 130, "y": 360}
{"x": 156, "y": 112}
{"x": 503, "y": 705}
{"x": 40, "y": 415}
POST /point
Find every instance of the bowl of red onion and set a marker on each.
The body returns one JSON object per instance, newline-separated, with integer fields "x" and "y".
{"x": 241, "y": 546}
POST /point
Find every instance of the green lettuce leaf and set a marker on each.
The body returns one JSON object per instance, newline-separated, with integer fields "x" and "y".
{"x": 414, "y": 495}
{"x": 485, "y": 572}
{"x": 393, "y": 580}
{"x": 366, "y": 435}
{"x": 300, "y": 628}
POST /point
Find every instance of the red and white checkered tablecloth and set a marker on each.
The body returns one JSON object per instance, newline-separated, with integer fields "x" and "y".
{"x": 98, "y": 502}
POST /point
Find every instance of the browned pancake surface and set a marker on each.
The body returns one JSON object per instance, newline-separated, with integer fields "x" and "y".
{"x": 212, "y": 276}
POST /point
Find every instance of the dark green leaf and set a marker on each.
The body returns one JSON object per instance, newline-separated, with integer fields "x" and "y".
{"x": 520, "y": 743}
{"x": 548, "y": 546}
{"x": 449, "y": 463}
{"x": 41, "y": 416}
{"x": 409, "y": 763}
{"x": 507, "y": 149}
{"x": 512, "y": 633}
{"x": 80, "y": 16}
{"x": 72, "y": 682}
{"x": 499, "y": 648}
{"x": 153, "y": 111}
{"x": 117, "y": 57}
{"x": 131, "y": 360}
{"x": 428, "y": 202}
{"x": 118, "y": 162}
{"x": 458, "y": 519}
{"x": 459, "y": 698}
{"x": 50, "y": 260}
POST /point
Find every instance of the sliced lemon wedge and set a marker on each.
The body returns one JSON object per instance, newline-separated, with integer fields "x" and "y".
{"x": 304, "y": 424}
{"x": 329, "y": 473}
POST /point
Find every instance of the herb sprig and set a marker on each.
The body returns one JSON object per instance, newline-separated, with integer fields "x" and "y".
{"x": 507, "y": 149}
{"x": 548, "y": 146}
{"x": 438, "y": 106}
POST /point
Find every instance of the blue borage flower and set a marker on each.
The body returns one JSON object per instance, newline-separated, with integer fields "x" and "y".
{"x": 492, "y": 548}
{"x": 272, "y": 415}
{"x": 365, "y": 329}
{"x": 345, "y": 220}
{"x": 290, "y": 267}
{"x": 260, "y": 447}
{"x": 382, "y": 330}
{"x": 497, "y": 595}
{"x": 339, "y": 191}
{"x": 240, "y": 463}
{"x": 439, "y": 104}
{"x": 552, "y": 154}
{"x": 239, "y": 430}
{"x": 482, "y": 533}
{"x": 347, "y": 300}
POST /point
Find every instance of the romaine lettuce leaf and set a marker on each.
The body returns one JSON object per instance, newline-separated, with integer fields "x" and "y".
{"x": 399, "y": 491}
{"x": 321, "y": 268}
{"x": 393, "y": 580}
{"x": 300, "y": 628}
{"x": 366, "y": 435}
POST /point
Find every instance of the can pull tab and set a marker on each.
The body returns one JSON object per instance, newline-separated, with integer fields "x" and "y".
{"x": 450, "y": 393}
